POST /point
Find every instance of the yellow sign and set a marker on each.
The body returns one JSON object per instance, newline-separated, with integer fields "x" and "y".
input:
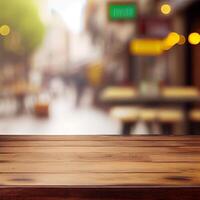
{"x": 155, "y": 47}
{"x": 150, "y": 47}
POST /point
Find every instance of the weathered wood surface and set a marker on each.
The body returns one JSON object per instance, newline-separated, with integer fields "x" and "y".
{"x": 99, "y": 167}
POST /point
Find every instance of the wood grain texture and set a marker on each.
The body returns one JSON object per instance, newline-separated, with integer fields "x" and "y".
{"x": 72, "y": 165}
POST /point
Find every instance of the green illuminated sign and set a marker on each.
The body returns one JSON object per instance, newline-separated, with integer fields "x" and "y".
{"x": 122, "y": 11}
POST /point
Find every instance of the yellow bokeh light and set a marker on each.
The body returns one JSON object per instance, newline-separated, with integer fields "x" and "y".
{"x": 194, "y": 38}
{"x": 182, "y": 40}
{"x": 172, "y": 39}
{"x": 166, "y": 9}
{"x": 4, "y": 30}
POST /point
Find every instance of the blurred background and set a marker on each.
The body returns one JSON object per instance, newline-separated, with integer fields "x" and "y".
{"x": 99, "y": 67}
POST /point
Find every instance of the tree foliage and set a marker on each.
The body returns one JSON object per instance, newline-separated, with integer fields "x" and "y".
{"x": 27, "y": 29}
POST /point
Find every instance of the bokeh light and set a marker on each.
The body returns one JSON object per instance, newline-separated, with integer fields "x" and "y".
{"x": 166, "y": 9}
{"x": 194, "y": 38}
{"x": 182, "y": 40}
{"x": 4, "y": 30}
{"x": 172, "y": 39}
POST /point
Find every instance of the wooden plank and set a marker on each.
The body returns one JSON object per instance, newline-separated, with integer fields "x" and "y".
{"x": 97, "y": 167}
{"x": 96, "y": 157}
{"x": 98, "y": 138}
{"x": 93, "y": 157}
{"x": 140, "y": 143}
{"x": 99, "y": 179}
{"x": 100, "y": 149}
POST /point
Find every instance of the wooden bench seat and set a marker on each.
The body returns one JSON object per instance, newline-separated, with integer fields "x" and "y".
{"x": 133, "y": 114}
{"x": 125, "y": 113}
{"x": 130, "y": 115}
{"x": 170, "y": 115}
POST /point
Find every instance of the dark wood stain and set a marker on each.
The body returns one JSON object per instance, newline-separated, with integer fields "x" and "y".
{"x": 179, "y": 178}
{"x": 21, "y": 180}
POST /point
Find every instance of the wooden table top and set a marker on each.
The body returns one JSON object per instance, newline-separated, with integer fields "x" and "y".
{"x": 130, "y": 94}
{"x": 99, "y": 161}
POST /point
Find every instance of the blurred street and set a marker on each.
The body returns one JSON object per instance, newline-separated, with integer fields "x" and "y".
{"x": 100, "y": 67}
{"x": 65, "y": 119}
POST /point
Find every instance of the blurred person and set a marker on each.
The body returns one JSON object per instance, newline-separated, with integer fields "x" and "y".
{"x": 80, "y": 83}
{"x": 95, "y": 75}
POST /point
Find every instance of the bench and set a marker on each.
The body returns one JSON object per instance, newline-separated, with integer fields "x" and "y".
{"x": 130, "y": 115}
